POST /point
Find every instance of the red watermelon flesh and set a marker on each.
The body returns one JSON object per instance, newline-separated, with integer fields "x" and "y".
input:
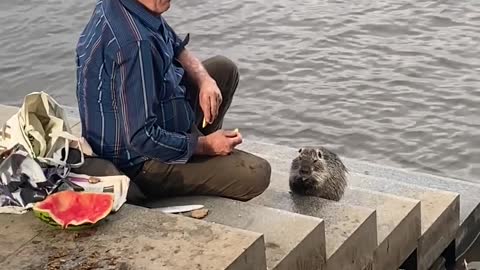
{"x": 76, "y": 208}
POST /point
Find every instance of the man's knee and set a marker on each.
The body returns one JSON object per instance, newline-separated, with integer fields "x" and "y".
{"x": 224, "y": 71}
{"x": 223, "y": 63}
{"x": 258, "y": 176}
{"x": 263, "y": 175}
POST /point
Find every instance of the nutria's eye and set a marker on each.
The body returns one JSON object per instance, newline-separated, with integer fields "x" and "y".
{"x": 319, "y": 154}
{"x": 300, "y": 150}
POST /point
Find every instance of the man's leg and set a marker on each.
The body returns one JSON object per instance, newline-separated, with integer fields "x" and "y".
{"x": 240, "y": 176}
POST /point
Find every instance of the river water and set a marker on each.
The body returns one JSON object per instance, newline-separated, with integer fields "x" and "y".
{"x": 393, "y": 82}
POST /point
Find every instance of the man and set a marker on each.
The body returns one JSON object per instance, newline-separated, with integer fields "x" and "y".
{"x": 142, "y": 97}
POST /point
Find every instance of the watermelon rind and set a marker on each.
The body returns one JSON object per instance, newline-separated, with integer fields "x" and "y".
{"x": 47, "y": 217}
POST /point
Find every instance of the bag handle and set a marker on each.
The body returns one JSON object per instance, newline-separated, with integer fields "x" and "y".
{"x": 22, "y": 117}
{"x": 68, "y": 137}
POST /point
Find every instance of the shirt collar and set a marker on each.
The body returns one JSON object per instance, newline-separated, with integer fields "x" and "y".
{"x": 142, "y": 13}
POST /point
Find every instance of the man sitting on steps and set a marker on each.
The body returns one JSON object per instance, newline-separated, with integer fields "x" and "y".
{"x": 142, "y": 97}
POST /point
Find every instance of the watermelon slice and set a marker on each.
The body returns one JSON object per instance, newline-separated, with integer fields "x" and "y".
{"x": 74, "y": 210}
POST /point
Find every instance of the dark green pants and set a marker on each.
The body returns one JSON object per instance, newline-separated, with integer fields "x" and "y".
{"x": 241, "y": 176}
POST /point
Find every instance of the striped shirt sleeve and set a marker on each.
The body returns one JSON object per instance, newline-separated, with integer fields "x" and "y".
{"x": 139, "y": 87}
{"x": 178, "y": 43}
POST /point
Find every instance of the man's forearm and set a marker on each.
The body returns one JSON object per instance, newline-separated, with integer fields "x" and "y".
{"x": 193, "y": 67}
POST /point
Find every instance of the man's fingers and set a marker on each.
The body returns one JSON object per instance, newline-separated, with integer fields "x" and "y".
{"x": 237, "y": 139}
{"x": 207, "y": 110}
{"x": 229, "y": 134}
{"x": 213, "y": 107}
{"x": 220, "y": 98}
{"x": 219, "y": 103}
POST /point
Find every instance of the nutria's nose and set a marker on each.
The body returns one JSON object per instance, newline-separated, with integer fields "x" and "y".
{"x": 304, "y": 170}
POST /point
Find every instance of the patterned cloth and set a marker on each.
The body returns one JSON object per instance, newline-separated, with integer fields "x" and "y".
{"x": 23, "y": 181}
{"x": 133, "y": 105}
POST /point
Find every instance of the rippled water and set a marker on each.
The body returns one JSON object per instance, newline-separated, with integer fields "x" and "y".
{"x": 395, "y": 82}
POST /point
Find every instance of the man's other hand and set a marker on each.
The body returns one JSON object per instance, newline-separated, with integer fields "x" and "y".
{"x": 219, "y": 143}
{"x": 210, "y": 99}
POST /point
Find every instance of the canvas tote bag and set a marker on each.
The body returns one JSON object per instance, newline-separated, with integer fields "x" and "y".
{"x": 41, "y": 127}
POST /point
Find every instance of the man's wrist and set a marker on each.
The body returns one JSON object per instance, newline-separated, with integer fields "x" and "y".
{"x": 202, "y": 146}
{"x": 204, "y": 80}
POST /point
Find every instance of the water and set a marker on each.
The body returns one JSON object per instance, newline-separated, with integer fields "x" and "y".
{"x": 394, "y": 82}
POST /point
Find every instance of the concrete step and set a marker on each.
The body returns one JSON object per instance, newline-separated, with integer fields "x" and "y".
{"x": 439, "y": 209}
{"x": 350, "y": 230}
{"x": 398, "y": 220}
{"x": 6, "y": 112}
{"x": 439, "y": 218}
{"x": 399, "y": 225}
{"x": 469, "y": 196}
{"x": 293, "y": 241}
{"x": 134, "y": 238}
{"x": 16, "y": 231}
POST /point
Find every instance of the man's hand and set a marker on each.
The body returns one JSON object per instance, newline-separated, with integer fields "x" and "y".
{"x": 219, "y": 143}
{"x": 210, "y": 99}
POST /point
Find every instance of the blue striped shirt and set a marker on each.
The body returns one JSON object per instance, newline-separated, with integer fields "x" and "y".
{"x": 132, "y": 104}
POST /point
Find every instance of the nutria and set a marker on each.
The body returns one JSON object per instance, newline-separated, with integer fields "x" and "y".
{"x": 318, "y": 172}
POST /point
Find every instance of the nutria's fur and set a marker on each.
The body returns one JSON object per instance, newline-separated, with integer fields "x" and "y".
{"x": 318, "y": 172}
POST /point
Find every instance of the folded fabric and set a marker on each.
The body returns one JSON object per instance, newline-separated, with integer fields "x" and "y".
{"x": 23, "y": 181}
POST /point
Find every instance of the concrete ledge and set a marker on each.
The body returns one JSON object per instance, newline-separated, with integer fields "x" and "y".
{"x": 292, "y": 241}
{"x": 17, "y": 231}
{"x": 439, "y": 209}
{"x": 399, "y": 225}
{"x": 440, "y": 214}
{"x": 398, "y": 220}
{"x": 7, "y": 112}
{"x": 351, "y": 236}
{"x": 136, "y": 238}
{"x": 469, "y": 195}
